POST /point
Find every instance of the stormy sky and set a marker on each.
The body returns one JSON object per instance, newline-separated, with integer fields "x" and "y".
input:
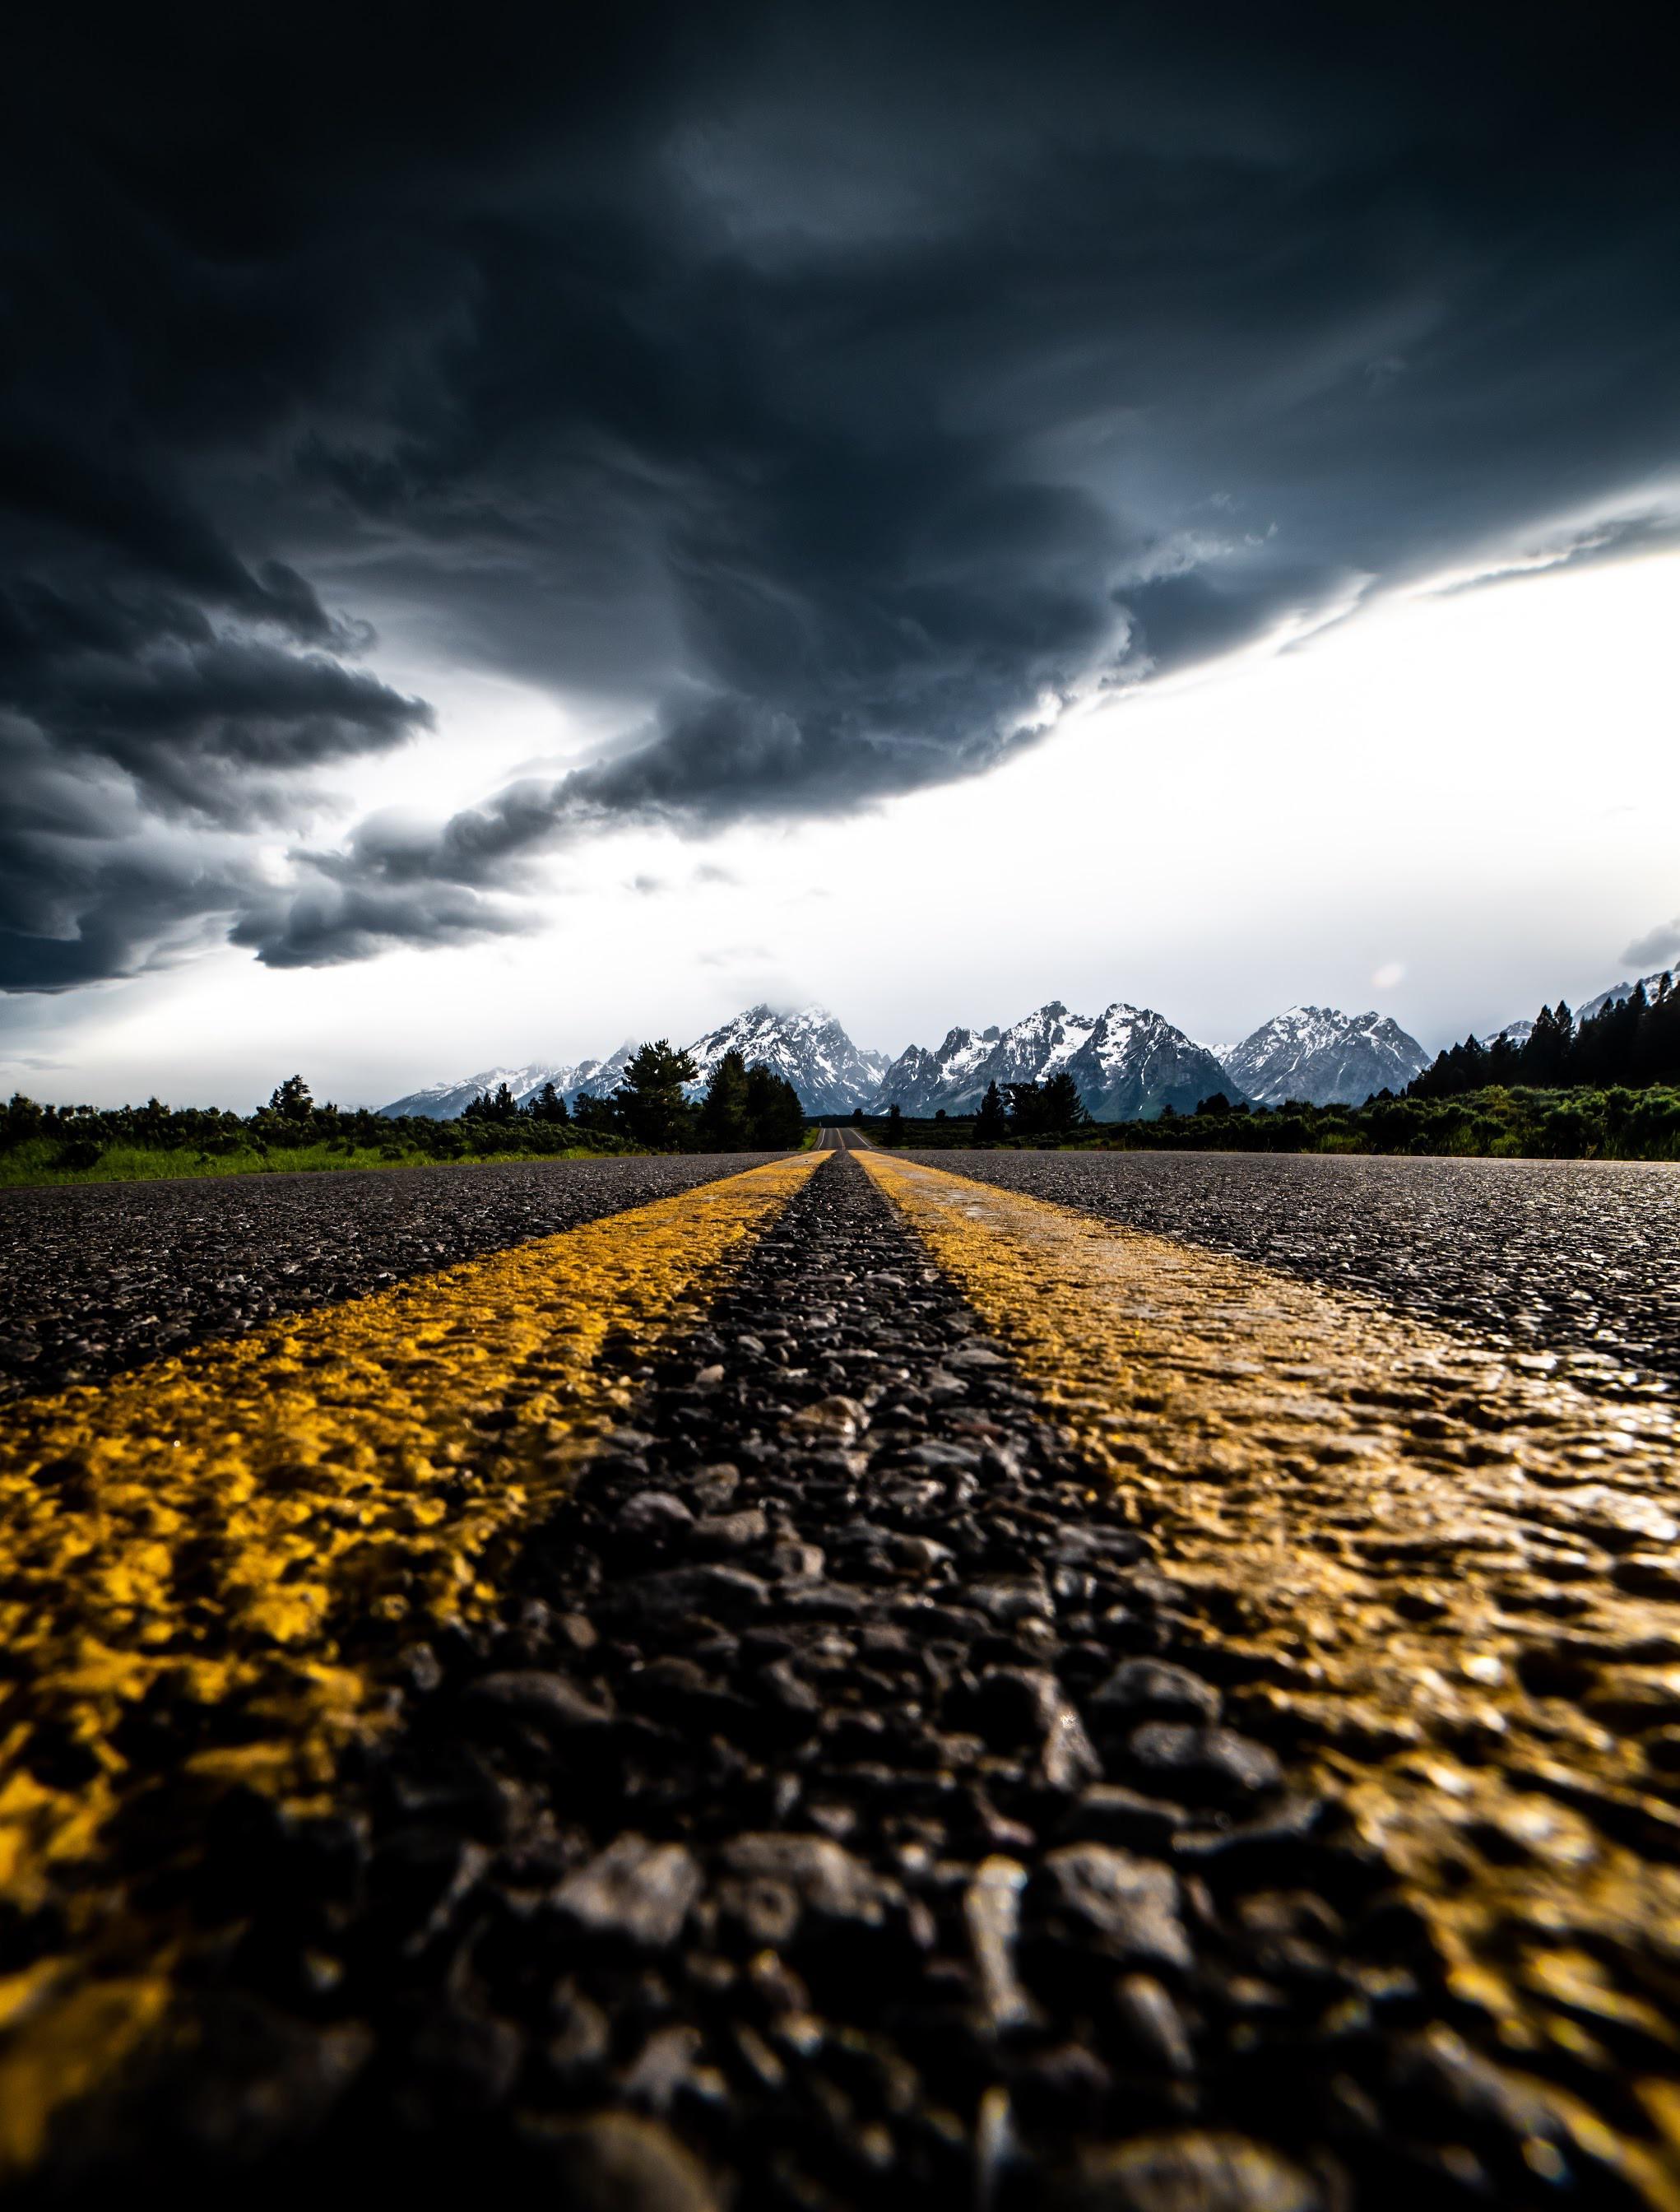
{"x": 454, "y": 476}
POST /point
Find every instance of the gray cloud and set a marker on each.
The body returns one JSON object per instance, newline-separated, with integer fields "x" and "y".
{"x": 833, "y": 404}
{"x": 89, "y": 888}
{"x": 331, "y": 922}
{"x": 1657, "y": 947}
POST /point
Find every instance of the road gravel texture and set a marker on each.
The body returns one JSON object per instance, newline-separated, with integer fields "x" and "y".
{"x": 845, "y": 1810}
{"x": 1580, "y": 1258}
{"x": 99, "y": 1278}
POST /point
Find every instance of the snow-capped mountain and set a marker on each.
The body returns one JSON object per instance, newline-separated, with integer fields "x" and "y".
{"x": 1513, "y": 1033}
{"x": 442, "y": 1102}
{"x": 1040, "y": 1044}
{"x": 1616, "y": 992}
{"x": 1128, "y": 1062}
{"x": 1325, "y": 1056}
{"x": 1134, "y": 1063}
{"x": 600, "y": 1078}
{"x": 808, "y": 1050}
{"x": 920, "y": 1080}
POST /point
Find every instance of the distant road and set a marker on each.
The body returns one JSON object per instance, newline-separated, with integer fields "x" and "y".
{"x": 1580, "y": 1258}
{"x": 843, "y": 1137}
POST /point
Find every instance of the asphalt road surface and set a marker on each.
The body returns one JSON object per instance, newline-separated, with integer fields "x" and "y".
{"x": 849, "y": 1686}
{"x": 1580, "y": 1258}
{"x": 843, "y": 1138}
{"x": 95, "y": 1278}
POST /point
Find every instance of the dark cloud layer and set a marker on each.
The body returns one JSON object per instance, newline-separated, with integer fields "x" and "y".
{"x": 833, "y": 394}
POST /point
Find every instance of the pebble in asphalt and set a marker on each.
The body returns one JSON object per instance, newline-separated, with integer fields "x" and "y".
{"x": 836, "y": 1817}
{"x": 1580, "y": 1258}
{"x": 99, "y": 1278}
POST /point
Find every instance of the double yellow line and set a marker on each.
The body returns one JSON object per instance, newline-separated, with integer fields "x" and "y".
{"x": 1446, "y": 1581}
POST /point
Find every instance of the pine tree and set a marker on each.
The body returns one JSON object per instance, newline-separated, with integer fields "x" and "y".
{"x": 992, "y": 1124}
{"x": 1657, "y": 1054}
{"x": 722, "y": 1122}
{"x": 548, "y": 1105}
{"x": 895, "y": 1124}
{"x": 1061, "y": 1106}
{"x": 291, "y": 1100}
{"x": 1026, "y": 1109}
{"x": 775, "y": 1119}
{"x": 496, "y": 1106}
{"x": 1544, "y": 1058}
{"x": 649, "y": 1101}
{"x": 599, "y": 1115}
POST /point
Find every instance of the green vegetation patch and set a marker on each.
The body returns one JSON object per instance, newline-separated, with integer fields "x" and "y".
{"x": 1499, "y": 1122}
{"x": 744, "y": 1110}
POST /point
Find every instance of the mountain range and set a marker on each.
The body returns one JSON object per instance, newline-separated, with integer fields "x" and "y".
{"x": 808, "y": 1050}
{"x": 1127, "y": 1060}
{"x": 442, "y": 1102}
{"x": 1129, "y": 1063}
{"x": 1318, "y": 1054}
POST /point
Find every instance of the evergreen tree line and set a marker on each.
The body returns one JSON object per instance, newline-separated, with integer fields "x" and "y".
{"x": 1635, "y": 1042}
{"x": 1617, "y": 1122}
{"x": 1582, "y": 1123}
{"x": 744, "y": 1110}
{"x": 1051, "y": 1108}
{"x": 1022, "y": 1111}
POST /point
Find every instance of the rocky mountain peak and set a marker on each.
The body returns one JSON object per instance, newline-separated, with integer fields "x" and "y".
{"x": 1325, "y": 1056}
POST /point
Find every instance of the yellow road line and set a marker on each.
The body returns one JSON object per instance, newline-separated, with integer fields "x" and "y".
{"x": 247, "y": 1532}
{"x": 1454, "y": 1582}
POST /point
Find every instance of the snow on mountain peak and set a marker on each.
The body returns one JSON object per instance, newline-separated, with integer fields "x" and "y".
{"x": 1325, "y": 1056}
{"x": 1126, "y": 1061}
{"x": 807, "y": 1047}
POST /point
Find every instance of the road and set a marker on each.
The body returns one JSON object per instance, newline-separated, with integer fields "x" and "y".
{"x": 1577, "y": 1258}
{"x": 845, "y": 1684}
{"x": 95, "y": 1278}
{"x": 843, "y": 1139}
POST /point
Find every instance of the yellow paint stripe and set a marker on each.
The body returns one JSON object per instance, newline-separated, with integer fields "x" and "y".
{"x": 251, "y": 1530}
{"x": 1420, "y": 1546}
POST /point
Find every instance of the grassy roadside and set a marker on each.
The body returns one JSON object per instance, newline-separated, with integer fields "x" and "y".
{"x": 30, "y": 1166}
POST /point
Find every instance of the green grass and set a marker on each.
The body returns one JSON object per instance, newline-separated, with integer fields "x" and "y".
{"x": 34, "y": 1163}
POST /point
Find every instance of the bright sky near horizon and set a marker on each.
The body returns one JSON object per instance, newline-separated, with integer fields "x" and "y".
{"x": 1332, "y": 823}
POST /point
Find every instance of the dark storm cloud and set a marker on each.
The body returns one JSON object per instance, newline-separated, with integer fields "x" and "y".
{"x": 831, "y": 395}
{"x": 328, "y": 922}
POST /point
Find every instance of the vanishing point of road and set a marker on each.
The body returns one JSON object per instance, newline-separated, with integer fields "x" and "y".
{"x": 994, "y": 1679}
